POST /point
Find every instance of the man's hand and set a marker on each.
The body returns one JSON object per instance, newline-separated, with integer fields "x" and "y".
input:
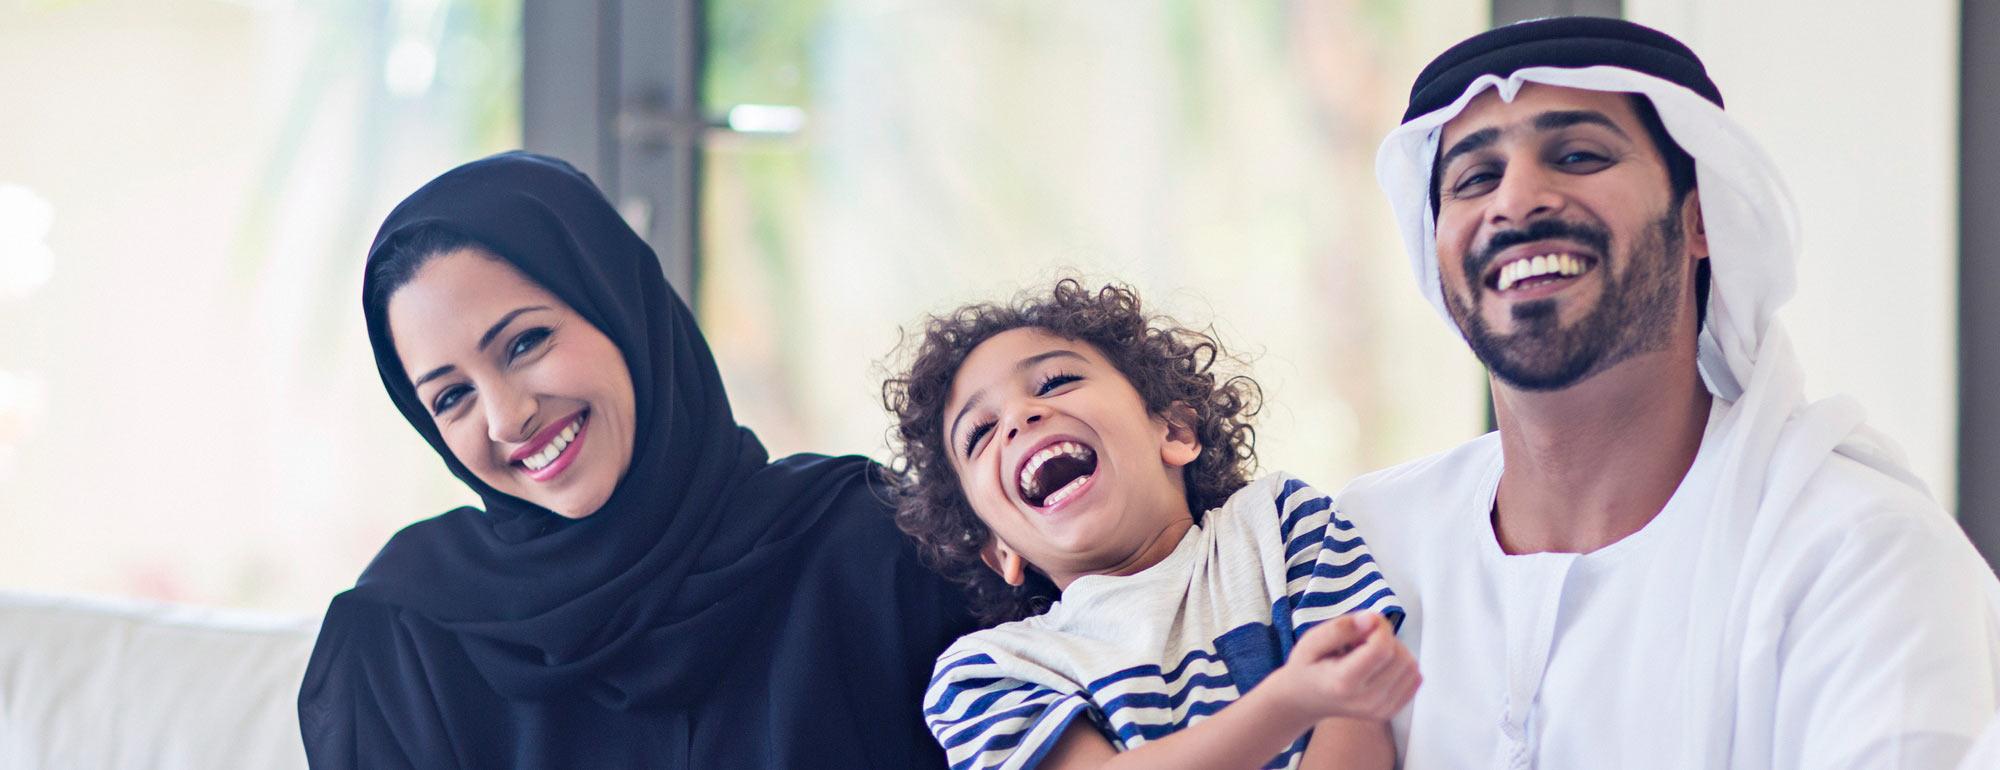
{"x": 1351, "y": 666}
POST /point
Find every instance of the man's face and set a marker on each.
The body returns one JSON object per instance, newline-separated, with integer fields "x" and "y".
{"x": 1560, "y": 249}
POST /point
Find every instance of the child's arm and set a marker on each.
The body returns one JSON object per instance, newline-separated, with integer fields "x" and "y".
{"x": 1339, "y": 743}
{"x": 1350, "y": 667}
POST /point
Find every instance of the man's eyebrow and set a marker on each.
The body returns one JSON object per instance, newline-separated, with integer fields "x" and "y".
{"x": 1472, "y": 142}
{"x": 1550, "y": 121}
{"x": 434, "y": 374}
{"x": 1023, "y": 365}
{"x": 487, "y": 338}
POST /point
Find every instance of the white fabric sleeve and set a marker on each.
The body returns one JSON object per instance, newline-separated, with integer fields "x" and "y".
{"x": 985, "y": 718}
{"x": 1889, "y": 659}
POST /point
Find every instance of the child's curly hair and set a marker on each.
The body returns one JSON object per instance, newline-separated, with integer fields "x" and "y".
{"x": 1172, "y": 367}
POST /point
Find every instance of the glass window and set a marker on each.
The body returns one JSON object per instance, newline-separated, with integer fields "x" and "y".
{"x": 1217, "y": 156}
{"x": 188, "y": 407}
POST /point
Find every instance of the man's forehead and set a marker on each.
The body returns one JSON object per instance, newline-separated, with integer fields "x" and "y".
{"x": 1488, "y": 110}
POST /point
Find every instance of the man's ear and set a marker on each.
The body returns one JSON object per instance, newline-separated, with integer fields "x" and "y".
{"x": 1004, "y": 561}
{"x": 1693, "y": 225}
{"x": 1181, "y": 446}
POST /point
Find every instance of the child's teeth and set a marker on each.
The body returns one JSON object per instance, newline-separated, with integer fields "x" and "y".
{"x": 1064, "y": 494}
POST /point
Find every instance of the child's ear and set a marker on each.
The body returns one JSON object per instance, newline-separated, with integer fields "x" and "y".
{"x": 1003, "y": 560}
{"x": 1181, "y": 445}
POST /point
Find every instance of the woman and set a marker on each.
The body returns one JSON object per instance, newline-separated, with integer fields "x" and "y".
{"x": 643, "y": 588}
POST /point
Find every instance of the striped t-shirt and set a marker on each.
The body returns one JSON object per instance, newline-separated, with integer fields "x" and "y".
{"x": 1143, "y": 655}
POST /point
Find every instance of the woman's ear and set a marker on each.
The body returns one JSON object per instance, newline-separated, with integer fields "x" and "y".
{"x": 1181, "y": 446}
{"x": 1004, "y": 561}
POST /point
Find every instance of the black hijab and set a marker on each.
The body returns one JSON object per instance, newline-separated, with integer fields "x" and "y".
{"x": 642, "y": 602}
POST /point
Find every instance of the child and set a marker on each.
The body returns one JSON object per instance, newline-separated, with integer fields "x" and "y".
{"x": 1070, "y": 441}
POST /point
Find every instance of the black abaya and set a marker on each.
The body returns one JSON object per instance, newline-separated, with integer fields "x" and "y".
{"x": 719, "y": 611}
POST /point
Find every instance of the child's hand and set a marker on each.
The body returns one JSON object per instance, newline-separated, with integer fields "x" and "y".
{"x": 1350, "y": 666}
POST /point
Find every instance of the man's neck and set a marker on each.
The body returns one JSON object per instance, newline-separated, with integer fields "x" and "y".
{"x": 1591, "y": 464}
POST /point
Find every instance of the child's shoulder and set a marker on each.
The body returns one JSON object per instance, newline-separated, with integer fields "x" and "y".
{"x": 1009, "y": 640}
{"x": 1277, "y": 492}
{"x": 1273, "y": 508}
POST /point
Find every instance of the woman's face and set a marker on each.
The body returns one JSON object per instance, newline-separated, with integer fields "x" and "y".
{"x": 528, "y": 395}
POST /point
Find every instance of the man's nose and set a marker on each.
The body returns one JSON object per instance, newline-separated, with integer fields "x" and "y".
{"x": 1526, "y": 193}
{"x": 510, "y": 413}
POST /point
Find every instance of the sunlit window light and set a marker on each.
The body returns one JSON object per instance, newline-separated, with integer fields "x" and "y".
{"x": 20, "y": 409}
{"x": 26, "y": 263}
{"x": 411, "y": 66}
{"x": 766, "y": 119}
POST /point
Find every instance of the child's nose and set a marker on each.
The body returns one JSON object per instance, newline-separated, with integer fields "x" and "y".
{"x": 1025, "y": 421}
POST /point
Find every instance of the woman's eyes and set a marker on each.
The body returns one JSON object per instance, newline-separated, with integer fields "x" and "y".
{"x": 526, "y": 342}
{"x": 448, "y": 398}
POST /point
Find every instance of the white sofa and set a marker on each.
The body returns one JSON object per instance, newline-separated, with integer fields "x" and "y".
{"x": 96, "y": 683}
{"x": 91, "y": 683}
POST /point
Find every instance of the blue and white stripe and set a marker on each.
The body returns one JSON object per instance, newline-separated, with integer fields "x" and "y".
{"x": 1143, "y": 656}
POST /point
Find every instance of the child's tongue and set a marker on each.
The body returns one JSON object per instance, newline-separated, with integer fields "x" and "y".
{"x": 1059, "y": 476}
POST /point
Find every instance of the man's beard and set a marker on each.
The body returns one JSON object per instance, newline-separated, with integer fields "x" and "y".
{"x": 1635, "y": 314}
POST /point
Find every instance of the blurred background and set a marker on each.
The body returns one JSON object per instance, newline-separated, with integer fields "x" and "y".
{"x": 188, "y": 407}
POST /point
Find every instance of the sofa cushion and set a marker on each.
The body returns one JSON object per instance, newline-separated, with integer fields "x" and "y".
{"x": 100, "y": 683}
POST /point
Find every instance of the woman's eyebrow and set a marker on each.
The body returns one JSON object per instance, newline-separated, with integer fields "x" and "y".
{"x": 435, "y": 373}
{"x": 487, "y": 338}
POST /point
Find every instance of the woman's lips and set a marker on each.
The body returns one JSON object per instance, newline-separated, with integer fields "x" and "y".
{"x": 563, "y": 438}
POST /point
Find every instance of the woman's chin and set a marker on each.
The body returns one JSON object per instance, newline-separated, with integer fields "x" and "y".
{"x": 574, "y": 509}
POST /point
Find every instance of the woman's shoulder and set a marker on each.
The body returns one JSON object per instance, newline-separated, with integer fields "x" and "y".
{"x": 354, "y": 630}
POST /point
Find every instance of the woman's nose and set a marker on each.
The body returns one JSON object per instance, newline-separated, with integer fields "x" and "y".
{"x": 510, "y": 414}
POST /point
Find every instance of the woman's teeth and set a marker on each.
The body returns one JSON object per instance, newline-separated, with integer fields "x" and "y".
{"x": 1535, "y": 267}
{"x": 1029, "y": 481}
{"x": 540, "y": 460}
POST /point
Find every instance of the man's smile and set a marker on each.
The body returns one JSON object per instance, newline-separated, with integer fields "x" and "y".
{"x": 1536, "y": 270}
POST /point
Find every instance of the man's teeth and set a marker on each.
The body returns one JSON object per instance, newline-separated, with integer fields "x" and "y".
{"x": 1535, "y": 267}
{"x": 1029, "y": 487}
{"x": 540, "y": 460}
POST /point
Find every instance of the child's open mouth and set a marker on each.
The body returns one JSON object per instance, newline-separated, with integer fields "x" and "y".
{"x": 1056, "y": 473}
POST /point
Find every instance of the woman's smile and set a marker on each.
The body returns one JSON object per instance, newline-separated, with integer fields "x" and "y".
{"x": 552, "y": 451}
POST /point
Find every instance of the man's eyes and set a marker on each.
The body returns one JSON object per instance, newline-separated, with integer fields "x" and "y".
{"x": 1582, "y": 160}
{"x": 1474, "y": 181}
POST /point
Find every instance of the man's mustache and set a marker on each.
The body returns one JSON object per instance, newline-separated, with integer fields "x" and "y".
{"x": 1477, "y": 261}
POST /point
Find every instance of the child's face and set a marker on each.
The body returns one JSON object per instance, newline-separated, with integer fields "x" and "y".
{"x": 1060, "y": 458}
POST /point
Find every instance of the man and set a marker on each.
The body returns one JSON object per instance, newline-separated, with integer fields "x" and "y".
{"x": 1666, "y": 556}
